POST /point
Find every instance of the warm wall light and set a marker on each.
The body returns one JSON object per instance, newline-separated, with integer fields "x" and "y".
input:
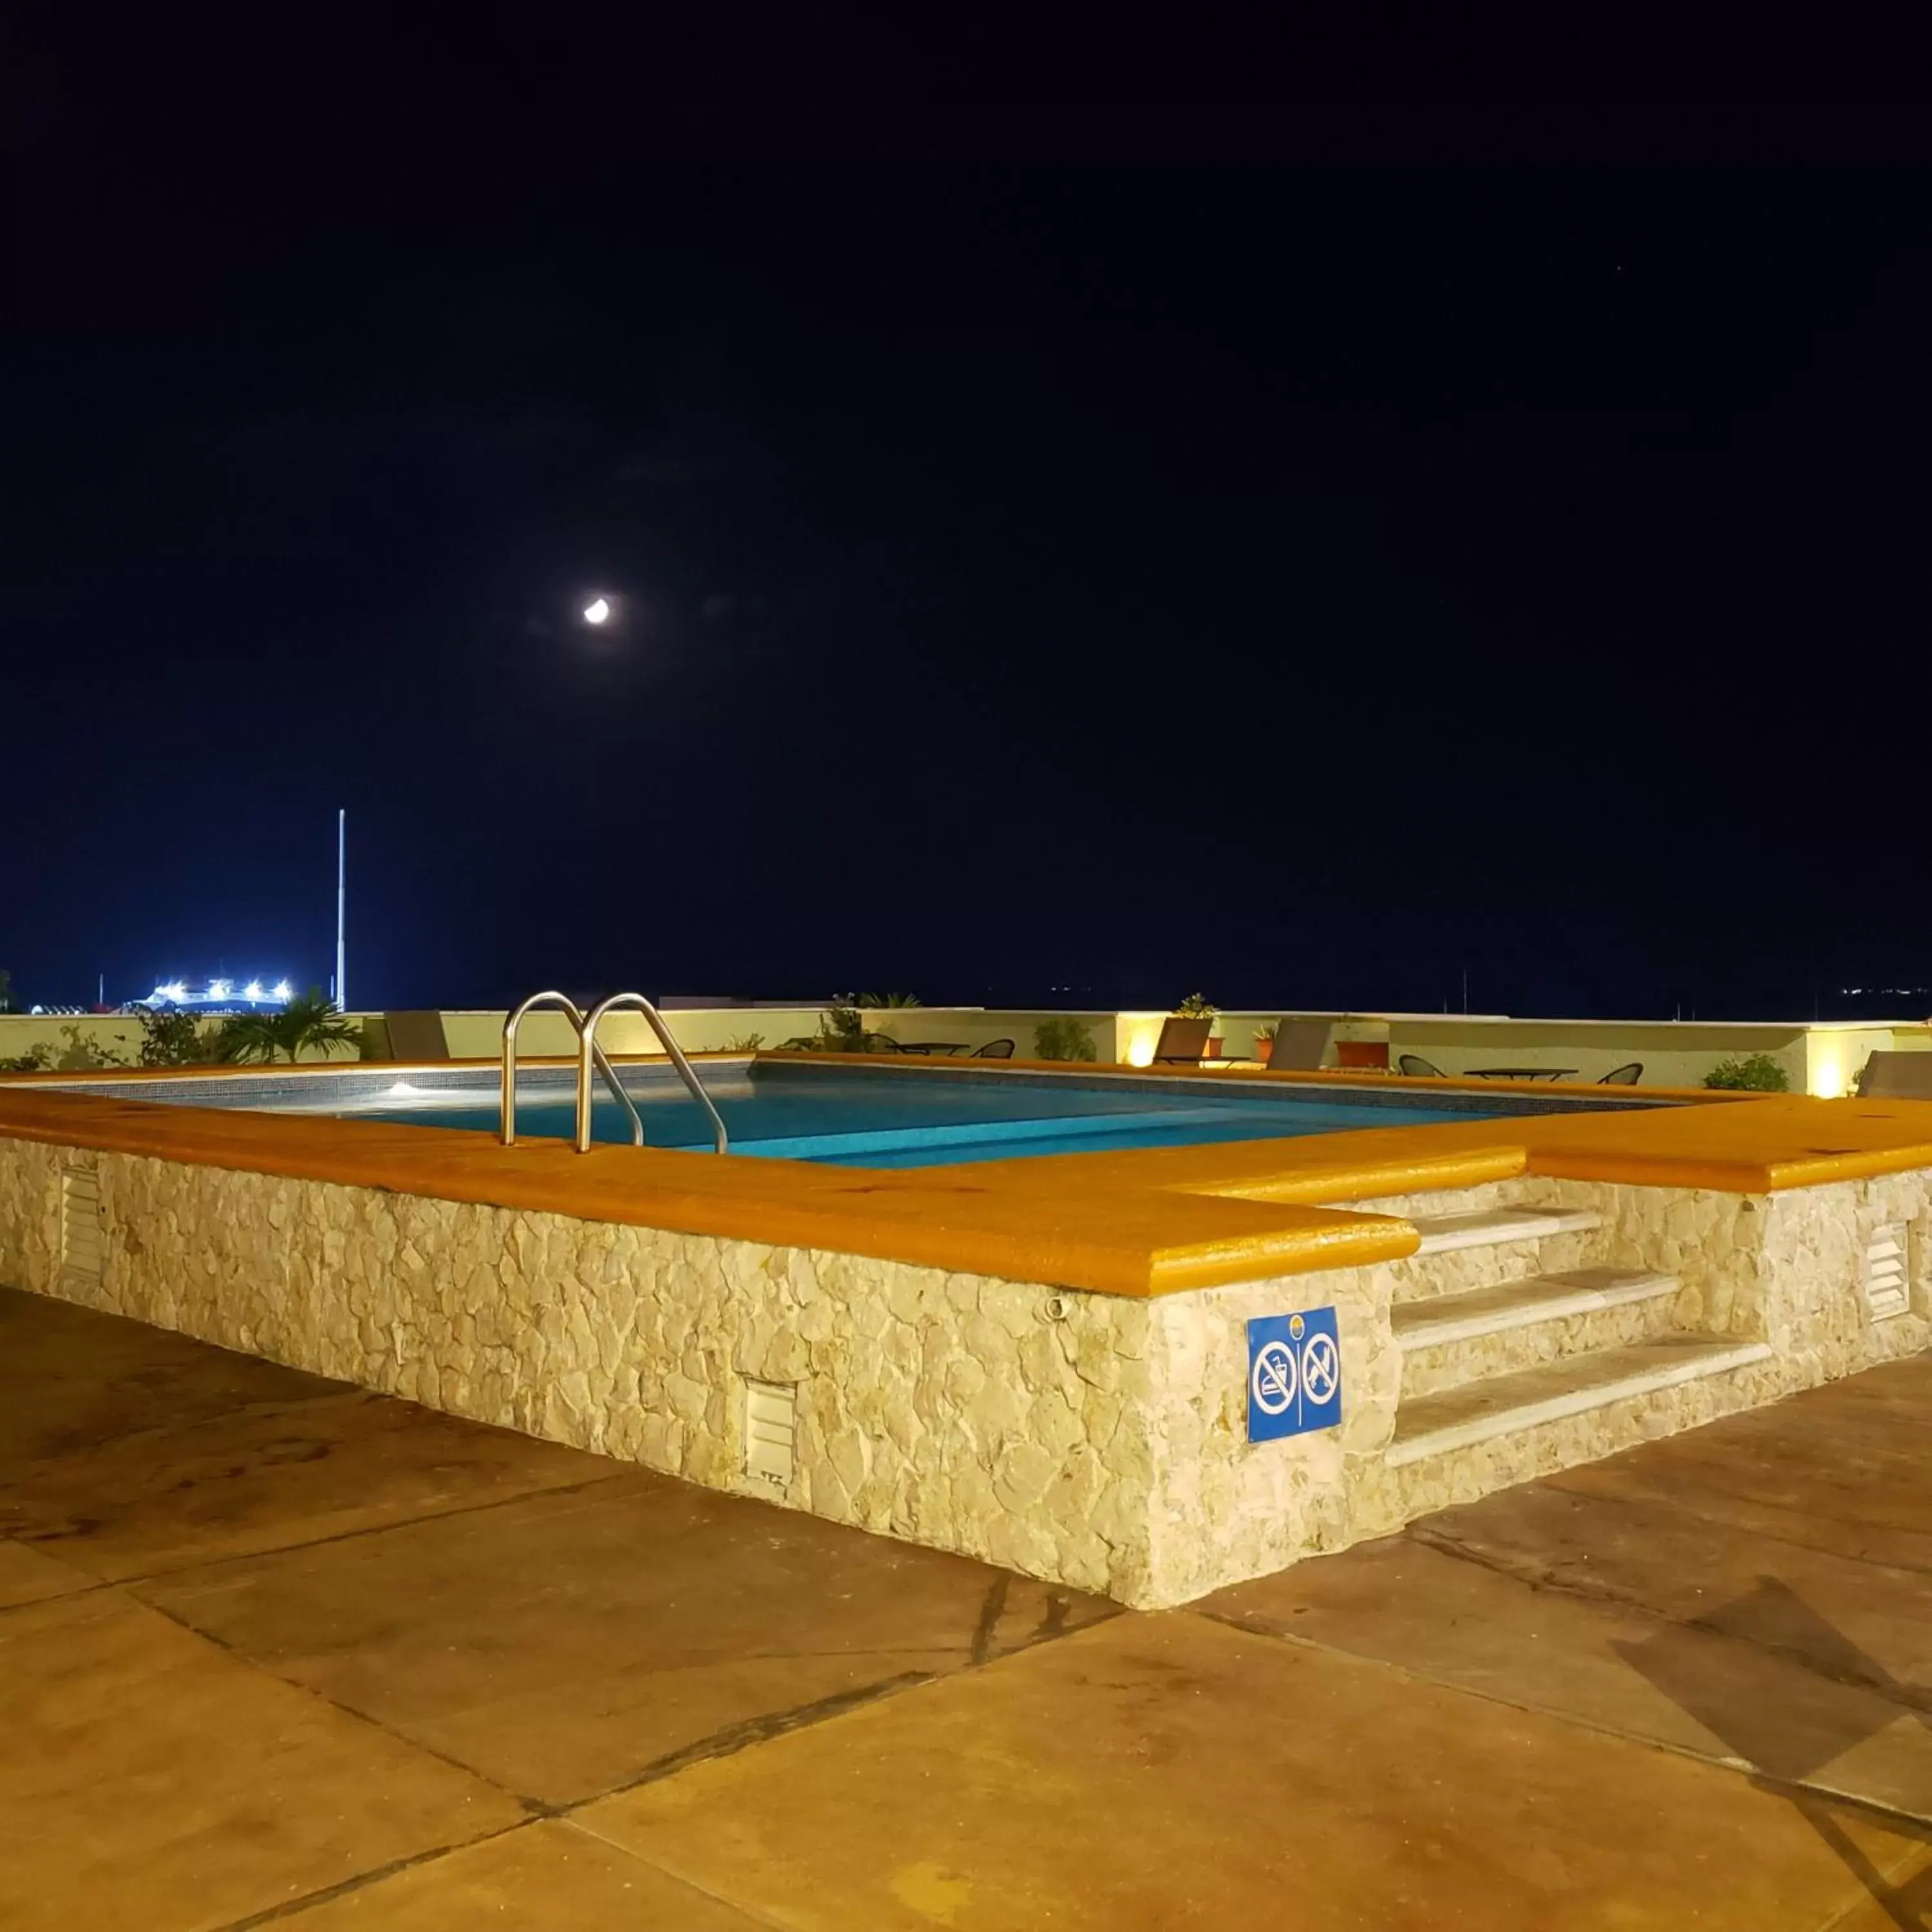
{"x": 1828, "y": 1077}
{"x": 1143, "y": 1036}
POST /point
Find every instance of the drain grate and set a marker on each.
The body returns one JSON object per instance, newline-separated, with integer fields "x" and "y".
{"x": 1888, "y": 1283}
{"x": 83, "y": 1246}
{"x": 771, "y": 1431}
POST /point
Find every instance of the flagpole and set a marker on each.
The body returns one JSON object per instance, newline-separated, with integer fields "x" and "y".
{"x": 341, "y": 905}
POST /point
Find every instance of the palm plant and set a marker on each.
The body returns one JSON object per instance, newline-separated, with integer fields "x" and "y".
{"x": 310, "y": 1020}
{"x": 876, "y": 1000}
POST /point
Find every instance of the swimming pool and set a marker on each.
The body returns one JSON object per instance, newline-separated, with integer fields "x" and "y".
{"x": 864, "y": 1117}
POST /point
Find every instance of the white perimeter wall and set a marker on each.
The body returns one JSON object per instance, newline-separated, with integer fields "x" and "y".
{"x": 1819, "y": 1058}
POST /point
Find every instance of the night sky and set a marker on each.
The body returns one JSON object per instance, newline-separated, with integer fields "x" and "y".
{"x": 1286, "y": 537}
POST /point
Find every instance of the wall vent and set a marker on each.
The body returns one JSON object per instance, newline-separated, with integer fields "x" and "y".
{"x": 82, "y": 1247}
{"x": 771, "y": 1431}
{"x": 1887, "y": 1287}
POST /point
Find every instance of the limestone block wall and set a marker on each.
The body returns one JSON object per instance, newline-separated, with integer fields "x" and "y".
{"x": 1003, "y": 1420}
{"x": 29, "y": 1223}
{"x": 1222, "y": 1507}
{"x": 1096, "y": 1441}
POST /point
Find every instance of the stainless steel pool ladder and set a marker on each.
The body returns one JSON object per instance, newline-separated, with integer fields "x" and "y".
{"x": 589, "y": 1055}
{"x": 506, "y": 1124}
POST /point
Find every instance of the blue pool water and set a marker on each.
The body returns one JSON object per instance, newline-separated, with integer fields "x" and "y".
{"x": 863, "y": 1117}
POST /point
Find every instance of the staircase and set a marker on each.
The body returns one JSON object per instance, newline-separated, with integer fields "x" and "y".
{"x": 1496, "y": 1374}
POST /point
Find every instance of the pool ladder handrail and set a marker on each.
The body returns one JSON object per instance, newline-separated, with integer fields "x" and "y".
{"x": 506, "y": 1119}
{"x": 685, "y": 1071}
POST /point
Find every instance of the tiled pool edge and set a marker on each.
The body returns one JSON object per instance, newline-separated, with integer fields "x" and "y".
{"x": 1095, "y": 1440}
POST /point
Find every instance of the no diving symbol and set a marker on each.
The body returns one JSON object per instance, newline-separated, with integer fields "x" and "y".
{"x": 1294, "y": 1374}
{"x": 1273, "y": 1379}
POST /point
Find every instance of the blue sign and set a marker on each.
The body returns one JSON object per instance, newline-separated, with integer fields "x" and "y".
{"x": 1294, "y": 1374}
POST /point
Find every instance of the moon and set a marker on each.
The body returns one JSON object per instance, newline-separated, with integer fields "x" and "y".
{"x": 598, "y": 610}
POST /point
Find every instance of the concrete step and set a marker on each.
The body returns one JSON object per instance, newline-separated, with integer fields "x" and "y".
{"x": 1511, "y": 1404}
{"x": 1517, "y": 1304}
{"x": 1497, "y": 1226}
{"x": 1449, "y": 1339}
{"x": 1461, "y": 1252}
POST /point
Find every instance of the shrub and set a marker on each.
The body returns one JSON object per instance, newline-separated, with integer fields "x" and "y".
{"x": 745, "y": 1042}
{"x": 83, "y": 1055}
{"x": 1061, "y": 1038}
{"x": 1753, "y": 1073}
{"x": 35, "y": 1062}
{"x": 1197, "y": 1006}
{"x": 173, "y": 1039}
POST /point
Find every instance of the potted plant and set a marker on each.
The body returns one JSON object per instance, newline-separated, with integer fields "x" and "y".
{"x": 1264, "y": 1048}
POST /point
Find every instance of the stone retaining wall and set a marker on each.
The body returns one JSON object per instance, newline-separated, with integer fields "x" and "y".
{"x": 1004, "y": 1419}
{"x": 1096, "y": 1441}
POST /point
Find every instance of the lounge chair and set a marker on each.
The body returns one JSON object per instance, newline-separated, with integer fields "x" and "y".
{"x": 1183, "y": 1041}
{"x": 416, "y": 1038}
{"x": 1299, "y": 1045}
{"x": 1628, "y": 1075}
{"x": 993, "y": 1049}
{"x": 1415, "y": 1067}
{"x": 1889, "y": 1075}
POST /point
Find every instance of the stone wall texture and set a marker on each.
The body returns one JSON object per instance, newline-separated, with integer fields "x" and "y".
{"x": 1096, "y": 1441}
{"x": 1002, "y": 1419}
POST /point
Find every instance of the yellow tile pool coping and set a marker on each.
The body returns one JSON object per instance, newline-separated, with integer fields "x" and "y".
{"x": 1137, "y": 1221}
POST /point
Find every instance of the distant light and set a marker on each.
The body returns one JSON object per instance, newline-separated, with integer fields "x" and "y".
{"x": 171, "y": 989}
{"x": 220, "y": 989}
{"x": 253, "y": 990}
{"x": 598, "y": 611}
{"x": 281, "y": 990}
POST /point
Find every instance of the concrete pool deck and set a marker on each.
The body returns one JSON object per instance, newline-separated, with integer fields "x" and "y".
{"x": 274, "y": 1650}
